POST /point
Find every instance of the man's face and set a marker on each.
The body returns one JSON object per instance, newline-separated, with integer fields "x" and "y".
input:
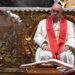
{"x": 56, "y": 13}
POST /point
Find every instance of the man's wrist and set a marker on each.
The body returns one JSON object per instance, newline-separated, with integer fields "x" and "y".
{"x": 69, "y": 47}
{"x": 44, "y": 44}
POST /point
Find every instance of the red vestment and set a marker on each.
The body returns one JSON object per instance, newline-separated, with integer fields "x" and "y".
{"x": 54, "y": 46}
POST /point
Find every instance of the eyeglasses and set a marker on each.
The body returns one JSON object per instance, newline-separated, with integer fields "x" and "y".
{"x": 57, "y": 11}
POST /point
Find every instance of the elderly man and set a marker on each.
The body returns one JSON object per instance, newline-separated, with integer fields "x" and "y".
{"x": 55, "y": 37}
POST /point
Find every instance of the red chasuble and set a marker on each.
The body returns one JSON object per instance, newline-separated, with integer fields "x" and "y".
{"x": 54, "y": 46}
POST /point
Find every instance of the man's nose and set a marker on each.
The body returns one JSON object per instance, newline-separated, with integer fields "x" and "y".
{"x": 55, "y": 13}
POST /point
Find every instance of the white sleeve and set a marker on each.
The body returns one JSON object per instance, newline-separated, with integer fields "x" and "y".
{"x": 70, "y": 35}
{"x": 38, "y": 38}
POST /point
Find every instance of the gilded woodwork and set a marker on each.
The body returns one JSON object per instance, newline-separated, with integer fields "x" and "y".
{"x": 70, "y": 3}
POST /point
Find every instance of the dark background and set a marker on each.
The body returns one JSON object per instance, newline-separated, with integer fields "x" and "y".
{"x": 26, "y": 3}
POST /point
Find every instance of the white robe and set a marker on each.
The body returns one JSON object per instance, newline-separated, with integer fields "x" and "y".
{"x": 41, "y": 36}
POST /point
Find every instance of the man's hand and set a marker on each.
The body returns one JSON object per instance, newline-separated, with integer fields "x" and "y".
{"x": 45, "y": 47}
{"x": 65, "y": 48}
